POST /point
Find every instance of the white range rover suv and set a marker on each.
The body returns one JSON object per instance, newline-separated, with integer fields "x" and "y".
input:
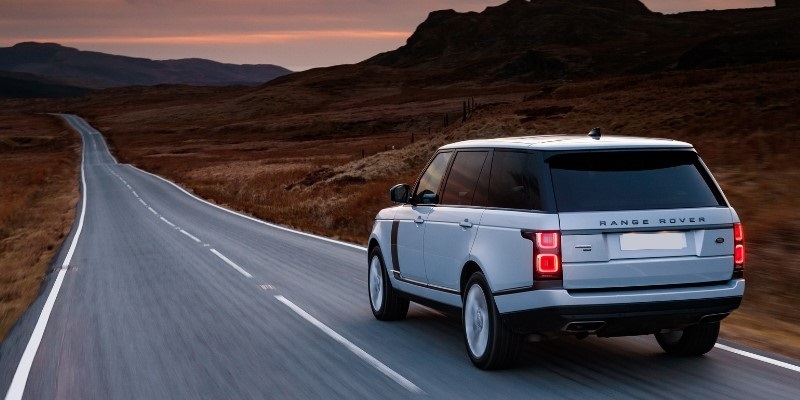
{"x": 541, "y": 236}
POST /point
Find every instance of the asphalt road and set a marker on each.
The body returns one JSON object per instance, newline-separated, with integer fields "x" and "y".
{"x": 168, "y": 297}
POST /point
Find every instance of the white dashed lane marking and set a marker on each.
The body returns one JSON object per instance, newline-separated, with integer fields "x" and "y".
{"x": 232, "y": 264}
{"x": 190, "y": 235}
{"x": 166, "y": 221}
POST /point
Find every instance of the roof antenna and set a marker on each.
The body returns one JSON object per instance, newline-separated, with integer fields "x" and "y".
{"x": 595, "y": 133}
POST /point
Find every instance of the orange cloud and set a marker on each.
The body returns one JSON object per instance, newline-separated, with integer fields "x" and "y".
{"x": 232, "y": 38}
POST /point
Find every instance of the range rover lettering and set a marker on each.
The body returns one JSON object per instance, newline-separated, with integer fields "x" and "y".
{"x": 543, "y": 236}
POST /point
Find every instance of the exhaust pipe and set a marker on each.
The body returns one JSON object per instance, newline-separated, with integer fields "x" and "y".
{"x": 713, "y": 318}
{"x": 583, "y": 326}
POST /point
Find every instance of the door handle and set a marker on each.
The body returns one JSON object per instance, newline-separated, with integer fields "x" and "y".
{"x": 465, "y": 224}
{"x": 419, "y": 220}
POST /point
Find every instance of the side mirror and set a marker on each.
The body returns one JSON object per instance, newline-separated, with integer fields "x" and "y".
{"x": 399, "y": 193}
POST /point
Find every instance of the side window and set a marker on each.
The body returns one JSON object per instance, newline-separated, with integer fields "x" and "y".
{"x": 481, "y": 197}
{"x": 463, "y": 177}
{"x": 513, "y": 182}
{"x": 428, "y": 188}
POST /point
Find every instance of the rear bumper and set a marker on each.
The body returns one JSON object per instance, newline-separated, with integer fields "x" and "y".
{"x": 618, "y": 313}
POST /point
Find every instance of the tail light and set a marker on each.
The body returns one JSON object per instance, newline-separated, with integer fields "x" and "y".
{"x": 738, "y": 250}
{"x": 546, "y": 254}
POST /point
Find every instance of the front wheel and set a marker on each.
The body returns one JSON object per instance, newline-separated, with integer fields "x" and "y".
{"x": 695, "y": 340}
{"x": 490, "y": 344}
{"x": 385, "y": 303}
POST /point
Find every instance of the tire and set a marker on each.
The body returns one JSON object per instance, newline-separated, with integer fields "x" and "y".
{"x": 695, "y": 340}
{"x": 385, "y": 303}
{"x": 490, "y": 344}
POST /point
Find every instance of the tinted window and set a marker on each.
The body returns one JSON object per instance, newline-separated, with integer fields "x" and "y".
{"x": 513, "y": 182}
{"x": 481, "y": 197}
{"x": 633, "y": 180}
{"x": 428, "y": 188}
{"x": 463, "y": 177}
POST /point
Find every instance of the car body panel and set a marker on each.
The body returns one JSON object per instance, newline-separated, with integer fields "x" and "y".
{"x": 531, "y": 299}
{"x": 601, "y": 259}
{"x": 570, "y": 142}
{"x": 448, "y": 243}
{"x": 502, "y": 251}
{"x": 409, "y": 242}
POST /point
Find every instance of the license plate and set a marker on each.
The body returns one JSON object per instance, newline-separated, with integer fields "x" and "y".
{"x": 653, "y": 241}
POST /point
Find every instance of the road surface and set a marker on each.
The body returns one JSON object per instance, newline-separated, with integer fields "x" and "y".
{"x": 159, "y": 295}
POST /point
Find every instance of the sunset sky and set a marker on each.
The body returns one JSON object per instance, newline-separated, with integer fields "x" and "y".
{"x": 296, "y": 34}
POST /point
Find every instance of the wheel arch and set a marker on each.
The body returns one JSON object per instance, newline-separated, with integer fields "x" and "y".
{"x": 469, "y": 268}
{"x": 373, "y": 243}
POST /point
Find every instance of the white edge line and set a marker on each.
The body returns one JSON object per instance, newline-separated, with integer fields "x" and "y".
{"x": 190, "y": 235}
{"x": 20, "y": 380}
{"x": 402, "y": 381}
{"x": 761, "y": 358}
{"x": 151, "y": 210}
{"x": 232, "y": 264}
{"x": 323, "y": 238}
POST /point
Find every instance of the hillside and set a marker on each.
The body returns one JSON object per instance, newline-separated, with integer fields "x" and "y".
{"x": 539, "y": 40}
{"x": 21, "y": 85}
{"x": 99, "y": 70}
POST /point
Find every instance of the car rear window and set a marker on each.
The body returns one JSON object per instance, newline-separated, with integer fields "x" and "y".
{"x": 631, "y": 180}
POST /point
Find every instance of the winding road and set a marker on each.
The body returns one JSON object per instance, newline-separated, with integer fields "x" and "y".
{"x": 157, "y": 294}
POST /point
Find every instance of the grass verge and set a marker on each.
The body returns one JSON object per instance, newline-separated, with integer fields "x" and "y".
{"x": 39, "y": 167}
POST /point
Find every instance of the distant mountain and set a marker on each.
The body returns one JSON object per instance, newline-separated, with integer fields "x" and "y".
{"x": 565, "y": 39}
{"x": 99, "y": 70}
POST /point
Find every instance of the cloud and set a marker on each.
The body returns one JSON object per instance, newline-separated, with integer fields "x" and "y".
{"x": 245, "y": 38}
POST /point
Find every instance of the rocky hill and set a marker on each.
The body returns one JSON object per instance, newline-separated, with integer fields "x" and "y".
{"x": 556, "y": 39}
{"x": 99, "y": 70}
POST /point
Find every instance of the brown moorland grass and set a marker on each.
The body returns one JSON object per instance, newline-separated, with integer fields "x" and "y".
{"x": 39, "y": 163}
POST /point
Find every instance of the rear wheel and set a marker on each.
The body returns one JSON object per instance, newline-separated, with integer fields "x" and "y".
{"x": 695, "y": 340}
{"x": 385, "y": 304}
{"x": 490, "y": 344}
